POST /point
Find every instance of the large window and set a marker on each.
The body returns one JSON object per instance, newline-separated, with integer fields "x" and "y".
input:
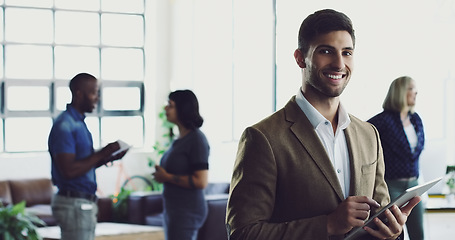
{"x": 45, "y": 43}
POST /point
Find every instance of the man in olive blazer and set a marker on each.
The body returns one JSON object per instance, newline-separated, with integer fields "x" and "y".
{"x": 284, "y": 182}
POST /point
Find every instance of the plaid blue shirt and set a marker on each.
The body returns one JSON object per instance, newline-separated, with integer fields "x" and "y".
{"x": 400, "y": 161}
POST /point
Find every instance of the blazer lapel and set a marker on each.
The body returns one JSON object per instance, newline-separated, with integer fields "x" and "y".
{"x": 355, "y": 166}
{"x": 307, "y": 136}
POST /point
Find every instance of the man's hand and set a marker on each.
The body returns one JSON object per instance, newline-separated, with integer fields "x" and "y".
{"x": 108, "y": 150}
{"x": 396, "y": 218}
{"x": 352, "y": 212}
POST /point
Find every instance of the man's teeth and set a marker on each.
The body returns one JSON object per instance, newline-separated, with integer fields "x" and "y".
{"x": 334, "y": 76}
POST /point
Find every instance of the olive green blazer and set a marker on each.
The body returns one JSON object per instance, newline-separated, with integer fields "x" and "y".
{"x": 284, "y": 184}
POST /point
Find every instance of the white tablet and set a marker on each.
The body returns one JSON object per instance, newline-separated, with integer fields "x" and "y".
{"x": 400, "y": 201}
{"x": 123, "y": 146}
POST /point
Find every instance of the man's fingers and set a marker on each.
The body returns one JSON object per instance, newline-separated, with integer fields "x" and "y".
{"x": 411, "y": 204}
{"x": 364, "y": 199}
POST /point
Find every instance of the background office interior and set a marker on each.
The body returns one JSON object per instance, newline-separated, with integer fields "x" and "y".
{"x": 236, "y": 55}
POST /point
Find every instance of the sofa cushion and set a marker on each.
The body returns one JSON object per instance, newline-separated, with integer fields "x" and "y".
{"x": 214, "y": 227}
{"x": 153, "y": 204}
{"x": 33, "y": 191}
{"x": 216, "y": 188}
{"x": 44, "y": 212}
{"x": 105, "y": 206}
{"x": 5, "y": 193}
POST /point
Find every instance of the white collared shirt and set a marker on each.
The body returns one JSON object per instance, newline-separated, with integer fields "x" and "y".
{"x": 334, "y": 144}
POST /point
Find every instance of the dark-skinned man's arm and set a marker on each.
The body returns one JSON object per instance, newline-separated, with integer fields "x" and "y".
{"x": 71, "y": 168}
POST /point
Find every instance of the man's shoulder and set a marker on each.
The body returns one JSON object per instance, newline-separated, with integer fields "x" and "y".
{"x": 64, "y": 122}
{"x": 290, "y": 110}
{"x": 356, "y": 120}
{"x": 273, "y": 120}
{"x": 360, "y": 124}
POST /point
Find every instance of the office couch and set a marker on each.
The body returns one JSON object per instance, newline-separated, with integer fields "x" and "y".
{"x": 38, "y": 192}
{"x": 147, "y": 209}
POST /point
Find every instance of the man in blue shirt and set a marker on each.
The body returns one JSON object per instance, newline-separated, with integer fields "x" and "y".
{"x": 74, "y": 162}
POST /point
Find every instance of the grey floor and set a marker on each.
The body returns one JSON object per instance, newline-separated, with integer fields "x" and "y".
{"x": 439, "y": 225}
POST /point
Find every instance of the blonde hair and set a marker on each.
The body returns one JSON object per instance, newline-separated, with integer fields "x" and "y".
{"x": 396, "y": 99}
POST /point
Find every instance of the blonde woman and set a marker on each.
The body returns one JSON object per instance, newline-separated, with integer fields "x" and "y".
{"x": 402, "y": 137}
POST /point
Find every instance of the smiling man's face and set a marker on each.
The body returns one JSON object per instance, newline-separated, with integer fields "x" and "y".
{"x": 328, "y": 63}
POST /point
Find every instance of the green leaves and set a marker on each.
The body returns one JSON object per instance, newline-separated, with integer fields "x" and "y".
{"x": 161, "y": 146}
{"x": 17, "y": 224}
{"x": 120, "y": 206}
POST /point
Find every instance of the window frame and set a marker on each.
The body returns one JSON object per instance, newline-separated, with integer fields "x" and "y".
{"x": 55, "y": 83}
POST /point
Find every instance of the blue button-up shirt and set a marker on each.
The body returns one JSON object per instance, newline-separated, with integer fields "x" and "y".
{"x": 69, "y": 134}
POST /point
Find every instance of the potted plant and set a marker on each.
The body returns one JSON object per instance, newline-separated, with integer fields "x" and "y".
{"x": 161, "y": 147}
{"x": 17, "y": 224}
{"x": 120, "y": 206}
{"x": 450, "y": 176}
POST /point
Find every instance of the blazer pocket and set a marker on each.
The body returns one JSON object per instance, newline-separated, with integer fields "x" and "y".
{"x": 369, "y": 168}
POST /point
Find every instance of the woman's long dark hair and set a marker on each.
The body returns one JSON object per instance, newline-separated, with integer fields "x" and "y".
{"x": 187, "y": 107}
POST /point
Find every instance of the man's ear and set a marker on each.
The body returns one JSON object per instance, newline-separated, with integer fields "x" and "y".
{"x": 299, "y": 58}
{"x": 78, "y": 94}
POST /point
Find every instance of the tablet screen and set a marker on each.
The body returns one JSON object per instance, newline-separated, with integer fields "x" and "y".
{"x": 400, "y": 201}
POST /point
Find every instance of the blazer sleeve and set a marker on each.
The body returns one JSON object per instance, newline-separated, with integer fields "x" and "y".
{"x": 252, "y": 196}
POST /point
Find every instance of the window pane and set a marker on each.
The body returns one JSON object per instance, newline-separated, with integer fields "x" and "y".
{"x": 122, "y": 64}
{"x": 27, "y": 134}
{"x": 130, "y": 6}
{"x": 28, "y": 25}
{"x": 30, "y": 3}
{"x": 122, "y": 30}
{"x": 78, "y": 5}
{"x": 1, "y": 61}
{"x": 1, "y": 22}
{"x": 70, "y": 61}
{"x": 128, "y": 129}
{"x": 62, "y": 98}
{"x": 77, "y": 28}
{"x": 1, "y": 134}
{"x": 130, "y": 98}
{"x": 36, "y": 60}
{"x": 16, "y": 101}
{"x": 93, "y": 126}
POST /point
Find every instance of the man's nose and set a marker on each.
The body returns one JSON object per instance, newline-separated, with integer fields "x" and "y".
{"x": 338, "y": 62}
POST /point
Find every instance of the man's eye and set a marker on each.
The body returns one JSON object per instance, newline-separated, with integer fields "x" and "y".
{"x": 347, "y": 53}
{"x": 324, "y": 51}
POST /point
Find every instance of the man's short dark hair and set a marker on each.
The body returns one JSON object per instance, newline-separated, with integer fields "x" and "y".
{"x": 322, "y": 22}
{"x": 76, "y": 81}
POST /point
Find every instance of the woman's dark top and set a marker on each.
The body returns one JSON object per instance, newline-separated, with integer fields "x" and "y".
{"x": 186, "y": 207}
{"x": 400, "y": 161}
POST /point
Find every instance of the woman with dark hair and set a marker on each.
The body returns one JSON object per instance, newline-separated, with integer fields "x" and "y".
{"x": 184, "y": 169}
{"x": 402, "y": 138}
